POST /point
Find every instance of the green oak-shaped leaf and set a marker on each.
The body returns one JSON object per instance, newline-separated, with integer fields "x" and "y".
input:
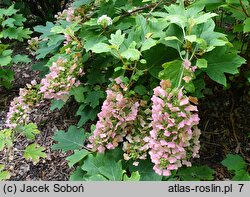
{"x": 78, "y": 93}
{"x": 196, "y": 173}
{"x": 220, "y": 61}
{"x": 30, "y": 131}
{"x": 131, "y": 54}
{"x": 246, "y": 27}
{"x": 56, "y": 104}
{"x": 135, "y": 176}
{"x": 19, "y": 19}
{"x": 44, "y": 51}
{"x": 103, "y": 166}
{"x": 117, "y": 38}
{"x": 78, "y": 175}
{"x": 145, "y": 169}
{"x": 7, "y": 76}
{"x": 191, "y": 38}
{"x": 44, "y": 30}
{"x": 241, "y": 175}
{"x": 93, "y": 98}
{"x": 5, "y": 139}
{"x": 149, "y": 43}
{"x": 234, "y": 162}
{"x": 210, "y": 4}
{"x": 19, "y": 33}
{"x": 204, "y": 18}
{"x": 87, "y": 113}
{"x": 21, "y": 58}
{"x": 5, "y": 57}
{"x": 76, "y": 157}
{"x": 238, "y": 166}
{"x": 34, "y": 152}
{"x": 55, "y": 39}
{"x": 23, "y": 33}
{"x": 97, "y": 177}
{"x": 8, "y": 22}
{"x": 172, "y": 71}
{"x": 93, "y": 163}
{"x": 9, "y": 11}
{"x": 100, "y": 48}
{"x": 78, "y": 3}
{"x": 201, "y": 63}
{"x": 71, "y": 140}
{"x": 112, "y": 170}
{"x": 92, "y": 39}
{"x": 3, "y": 173}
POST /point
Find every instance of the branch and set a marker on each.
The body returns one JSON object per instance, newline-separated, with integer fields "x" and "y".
{"x": 138, "y": 10}
{"x": 243, "y": 8}
{"x": 157, "y": 4}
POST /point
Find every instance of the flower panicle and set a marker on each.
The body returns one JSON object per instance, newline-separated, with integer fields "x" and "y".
{"x": 61, "y": 78}
{"x": 116, "y": 112}
{"x": 174, "y": 138}
{"x": 21, "y": 106}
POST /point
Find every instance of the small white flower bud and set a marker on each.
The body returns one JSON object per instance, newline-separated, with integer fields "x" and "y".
{"x": 104, "y": 21}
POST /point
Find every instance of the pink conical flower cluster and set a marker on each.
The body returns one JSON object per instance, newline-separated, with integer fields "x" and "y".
{"x": 135, "y": 145}
{"x": 61, "y": 78}
{"x": 168, "y": 132}
{"x": 174, "y": 137}
{"x": 56, "y": 85}
{"x": 21, "y": 106}
{"x": 117, "y": 111}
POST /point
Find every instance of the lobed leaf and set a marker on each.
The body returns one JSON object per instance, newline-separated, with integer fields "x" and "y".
{"x": 3, "y": 173}
{"x": 145, "y": 169}
{"x": 102, "y": 167}
{"x": 56, "y": 104}
{"x": 196, "y": 173}
{"x": 237, "y": 164}
{"x": 172, "y": 71}
{"x": 71, "y": 140}
{"x": 221, "y": 61}
{"x": 30, "y": 131}
{"x": 21, "y": 58}
{"x": 76, "y": 157}
{"x": 34, "y": 152}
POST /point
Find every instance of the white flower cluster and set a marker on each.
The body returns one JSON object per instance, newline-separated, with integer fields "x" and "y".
{"x": 104, "y": 21}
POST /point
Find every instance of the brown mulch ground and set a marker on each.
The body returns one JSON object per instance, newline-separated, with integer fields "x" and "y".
{"x": 225, "y": 118}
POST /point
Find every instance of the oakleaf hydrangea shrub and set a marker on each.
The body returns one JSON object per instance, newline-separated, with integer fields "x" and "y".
{"x": 136, "y": 70}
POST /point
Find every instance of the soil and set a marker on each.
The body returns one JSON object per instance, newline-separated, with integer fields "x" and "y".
{"x": 224, "y": 124}
{"x": 225, "y": 128}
